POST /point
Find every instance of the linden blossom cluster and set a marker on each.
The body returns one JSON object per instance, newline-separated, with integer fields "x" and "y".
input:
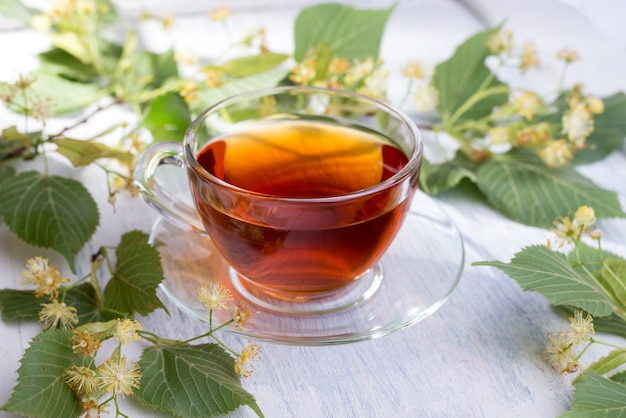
{"x": 515, "y": 123}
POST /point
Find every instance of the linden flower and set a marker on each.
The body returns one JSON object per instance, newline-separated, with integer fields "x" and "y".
{"x": 57, "y": 314}
{"x": 82, "y": 380}
{"x": 556, "y": 154}
{"x": 213, "y": 77}
{"x": 533, "y": 135}
{"x": 84, "y": 343}
{"x": 577, "y": 124}
{"x": 499, "y": 135}
{"x": 338, "y": 66}
{"x": 527, "y": 104}
{"x": 565, "y": 231}
{"x": 360, "y": 70}
{"x": 529, "y": 58}
{"x": 375, "y": 84}
{"x": 585, "y": 217}
{"x": 568, "y": 55}
{"x": 189, "y": 92}
{"x": 595, "y": 105}
{"x": 45, "y": 277}
{"x": 303, "y": 73}
{"x": 426, "y": 98}
{"x": 214, "y": 296}
{"x": 244, "y": 362}
{"x": 167, "y": 21}
{"x": 241, "y": 314}
{"x": 115, "y": 377}
{"x": 126, "y": 331}
{"x": 581, "y": 327}
{"x": 560, "y": 355}
{"x": 500, "y": 43}
{"x": 221, "y": 13}
{"x": 414, "y": 69}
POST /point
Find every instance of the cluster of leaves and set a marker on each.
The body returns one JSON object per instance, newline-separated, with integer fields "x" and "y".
{"x": 576, "y": 275}
{"x": 472, "y": 101}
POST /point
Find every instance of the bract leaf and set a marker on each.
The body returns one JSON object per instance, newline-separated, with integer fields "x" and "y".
{"x": 41, "y": 390}
{"x": 613, "y": 277}
{"x": 253, "y": 64}
{"x": 462, "y": 76}
{"x": 608, "y": 363}
{"x": 49, "y": 211}
{"x": 350, "y": 33}
{"x": 192, "y": 381}
{"x": 597, "y": 396}
{"x": 168, "y": 118}
{"x": 521, "y": 186}
{"x": 61, "y": 62}
{"x": 540, "y": 269}
{"x": 137, "y": 275}
{"x": 81, "y": 152}
{"x": 436, "y": 178}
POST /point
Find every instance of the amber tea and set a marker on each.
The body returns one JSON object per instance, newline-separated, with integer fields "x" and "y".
{"x": 280, "y": 244}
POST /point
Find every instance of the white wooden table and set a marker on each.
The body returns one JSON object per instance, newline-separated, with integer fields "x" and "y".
{"x": 480, "y": 354}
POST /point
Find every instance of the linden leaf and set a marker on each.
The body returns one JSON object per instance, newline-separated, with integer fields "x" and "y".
{"x": 61, "y": 62}
{"x": 66, "y": 95}
{"x": 349, "y": 32}
{"x": 137, "y": 275}
{"x": 41, "y": 390}
{"x": 436, "y": 178}
{"x": 613, "y": 277}
{"x": 168, "y": 118}
{"x": 49, "y": 211}
{"x": 463, "y": 77}
{"x": 16, "y": 304}
{"x": 597, "y": 396}
{"x": 610, "y": 362}
{"x": 253, "y": 64}
{"x": 521, "y": 186}
{"x": 540, "y": 269}
{"x": 81, "y": 152}
{"x": 192, "y": 381}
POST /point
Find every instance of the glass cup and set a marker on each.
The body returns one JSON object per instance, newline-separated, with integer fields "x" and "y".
{"x": 300, "y": 189}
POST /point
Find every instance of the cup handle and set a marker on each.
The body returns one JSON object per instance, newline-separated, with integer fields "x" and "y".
{"x": 164, "y": 202}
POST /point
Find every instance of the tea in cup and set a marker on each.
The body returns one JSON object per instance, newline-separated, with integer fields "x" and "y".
{"x": 300, "y": 189}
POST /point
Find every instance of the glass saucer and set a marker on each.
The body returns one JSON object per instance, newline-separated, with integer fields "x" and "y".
{"x": 421, "y": 269}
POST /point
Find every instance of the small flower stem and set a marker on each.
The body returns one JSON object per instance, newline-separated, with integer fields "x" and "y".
{"x": 591, "y": 342}
{"x": 475, "y": 98}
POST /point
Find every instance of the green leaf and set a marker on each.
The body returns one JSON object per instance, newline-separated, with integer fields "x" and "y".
{"x": 436, "y": 178}
{"x": 41, "y": 390}
{"x": 17, "y": 10}
{"x": 168, "y": 118}
{"x": 540, "y": 269}
{"x": 597, "y": 396}
{"x": 208, "y": 97}
{"x": 82, "y": 153}
{"x": 18, "y": 304}
{"x": 192, "y": 381}
{"x": 61, "y": 62}
{"x": 49, "y": 211}
{"x": 462, "y": 78}
{"x": 608, "y": 363}
{"x": 613, "y": 277}
{"x": 254, "y": 64}
{"x": 156, "y": 67}
{"x": 67, "y": 95}
{"x": 137, "y": 275}
{"x": 521, "y": 186}
{"x": 350, "y": 33}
